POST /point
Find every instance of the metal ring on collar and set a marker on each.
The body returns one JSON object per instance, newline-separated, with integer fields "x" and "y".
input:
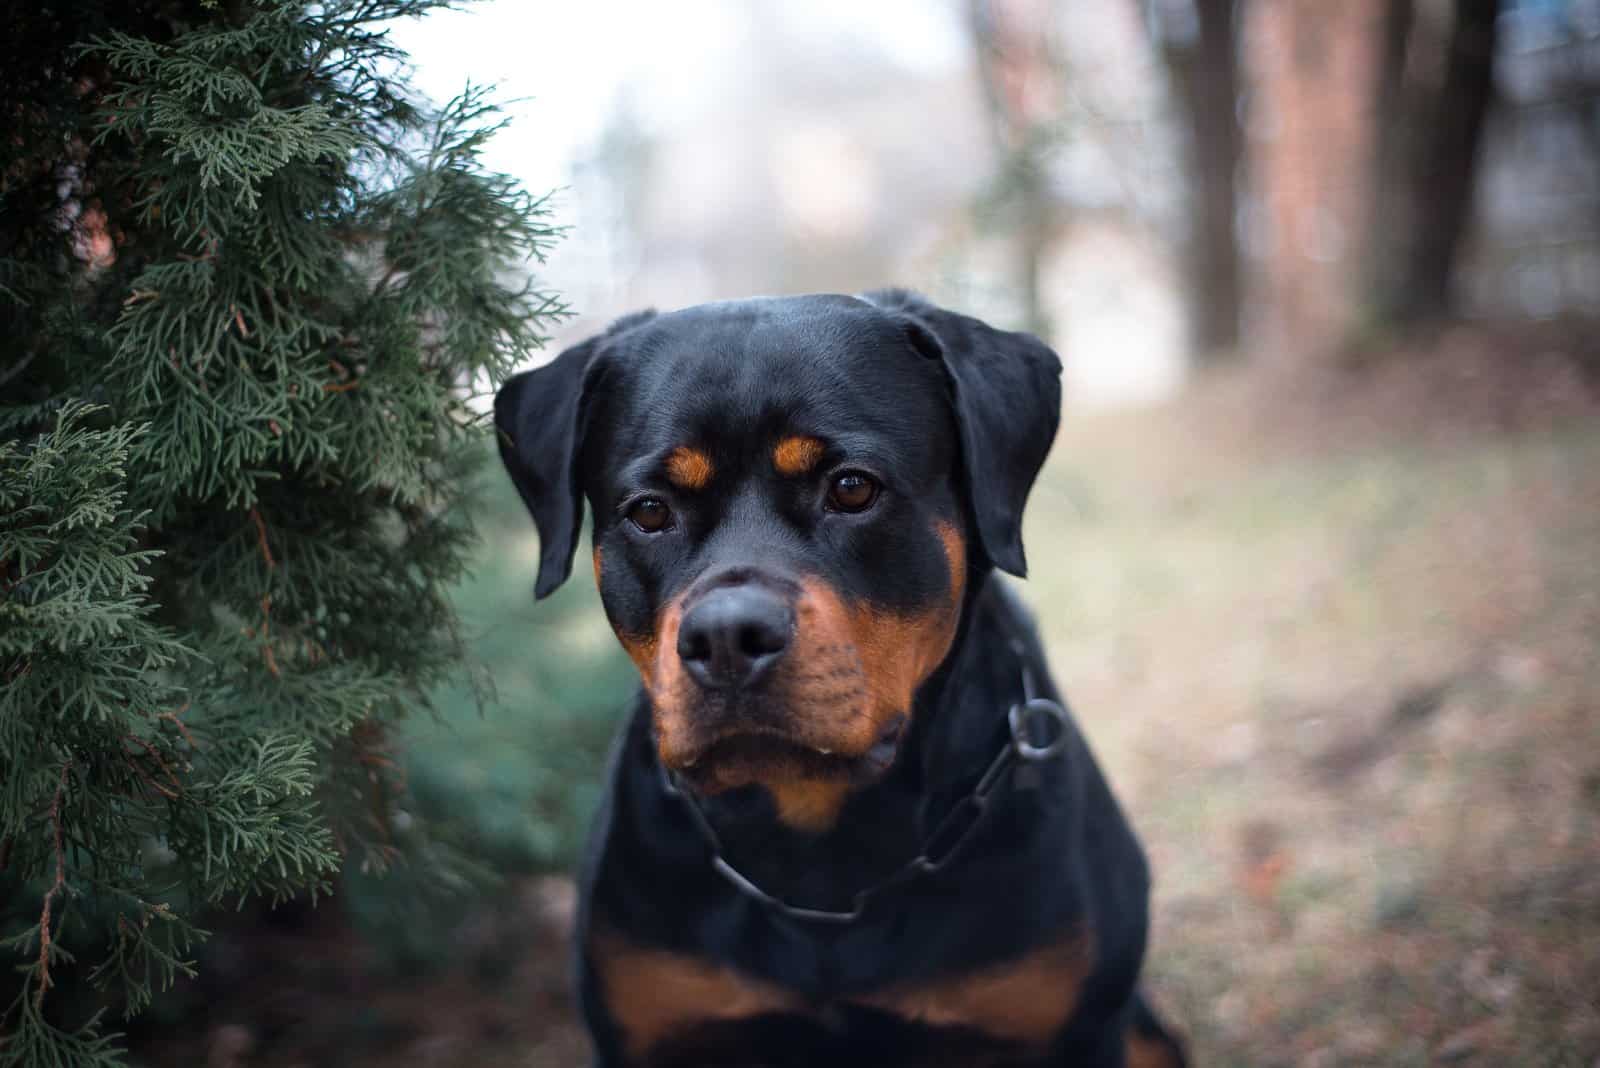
{"x": 1022, "y": 718}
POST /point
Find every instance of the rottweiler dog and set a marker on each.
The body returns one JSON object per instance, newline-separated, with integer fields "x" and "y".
{"x": 848, "y": 821}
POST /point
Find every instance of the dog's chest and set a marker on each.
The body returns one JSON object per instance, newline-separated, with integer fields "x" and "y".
{"x": 670, "y": 1009}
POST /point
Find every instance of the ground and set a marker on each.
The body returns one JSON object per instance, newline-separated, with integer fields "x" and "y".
{"x": 1334, "y": 637}
{"x": 1344, "y": 675}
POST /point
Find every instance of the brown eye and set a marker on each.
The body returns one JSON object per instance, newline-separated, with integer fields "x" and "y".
{"x": 852, "y": 491}
{"x": 650, "y": 514}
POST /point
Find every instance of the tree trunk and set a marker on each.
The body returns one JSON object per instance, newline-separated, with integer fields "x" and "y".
{"x": 1205, "y": 77}
{"x": 1445, "y": 167}
{"x": 1394, "y": 109}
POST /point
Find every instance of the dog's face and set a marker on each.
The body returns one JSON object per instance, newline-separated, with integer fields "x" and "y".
{"x": 790, "y": 498}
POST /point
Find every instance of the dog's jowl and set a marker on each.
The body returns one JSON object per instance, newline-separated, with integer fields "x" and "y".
{"x": 848, "y": 820}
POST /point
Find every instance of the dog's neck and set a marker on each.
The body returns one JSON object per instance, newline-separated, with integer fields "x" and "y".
{"x": 958, "y": 726}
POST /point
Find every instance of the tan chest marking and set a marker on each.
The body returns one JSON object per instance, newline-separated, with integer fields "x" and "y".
{"x": 653, "y": 994}
{"x": 1027, "y": 1000}
{"x": 1143, "y": 1052}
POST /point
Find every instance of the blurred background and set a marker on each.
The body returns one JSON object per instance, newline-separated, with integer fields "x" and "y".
{"x": 1317, "y": 554}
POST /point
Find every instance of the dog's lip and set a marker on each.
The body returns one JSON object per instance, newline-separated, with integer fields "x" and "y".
{"x": 742, "y": 737}
{"x": 883, "y": 751}
{"x": 759, "y": 741}
{"x": 744, "y": 757}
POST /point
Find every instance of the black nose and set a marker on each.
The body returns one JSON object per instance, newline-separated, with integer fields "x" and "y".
{"x": 732, "y": 635}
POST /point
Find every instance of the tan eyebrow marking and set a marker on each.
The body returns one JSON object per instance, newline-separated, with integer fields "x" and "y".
{"x": 797, "y": 455}
{"x": 689, "y": 469}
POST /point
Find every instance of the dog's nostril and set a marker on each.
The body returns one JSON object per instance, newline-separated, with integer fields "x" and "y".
{"x": 694, "y": 645}
{"x": 761, "y": 639}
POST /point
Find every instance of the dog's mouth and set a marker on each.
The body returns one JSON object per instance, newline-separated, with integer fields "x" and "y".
{"x": 742, "y": 756}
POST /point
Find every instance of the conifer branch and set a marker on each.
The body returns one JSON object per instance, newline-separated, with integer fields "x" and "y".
{"x": 56, "y": 887}
{"x": 261, "y": 538}
{"x": 175, "y": 718}
{"x": 276, "y": 196}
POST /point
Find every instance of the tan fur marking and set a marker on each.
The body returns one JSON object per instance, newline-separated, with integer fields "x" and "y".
{"x": 797, "y": 455}
{"x": 861, "y": 668}
{"x": 955, "y": 555}
{"x": 1143, "y": 1052}
{"x": 597, "y": 567}
{"x": 898, "y": 653}
{"x": 849, "y": 674}
{"x": 653, "y": 994}
{"x": 810, "y": 805}
{"x": 1027, "y": 1000}
{"x": 689, "y": 469}
{"x": 672, "y": 692}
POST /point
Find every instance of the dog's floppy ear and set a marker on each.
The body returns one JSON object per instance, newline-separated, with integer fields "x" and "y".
{"x": 539, "y": 419}
{"x": 1007, "y": 403}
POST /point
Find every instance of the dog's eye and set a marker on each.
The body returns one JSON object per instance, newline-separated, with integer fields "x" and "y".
{"x": 852, "y": 491}
{"x": 650, "y": 514}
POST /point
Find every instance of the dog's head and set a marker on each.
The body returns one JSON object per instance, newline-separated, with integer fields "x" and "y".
{"x": 791, "y": 497}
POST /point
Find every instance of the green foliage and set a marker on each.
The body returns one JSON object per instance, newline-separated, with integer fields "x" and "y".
{"x": 248, "y": 289}
{"x": 514, "y": 789}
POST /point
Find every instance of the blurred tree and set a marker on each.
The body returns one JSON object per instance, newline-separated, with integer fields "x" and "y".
{"x": 1394, "y": 114}
{"x": 1199, "y": 40}
{"x": 246, "y": 287}
{"x": 1425, "y": 158}
{"x": 1019, "y": 77}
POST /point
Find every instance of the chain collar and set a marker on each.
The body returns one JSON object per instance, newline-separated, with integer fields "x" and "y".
{"x": 1038, "y": 733}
